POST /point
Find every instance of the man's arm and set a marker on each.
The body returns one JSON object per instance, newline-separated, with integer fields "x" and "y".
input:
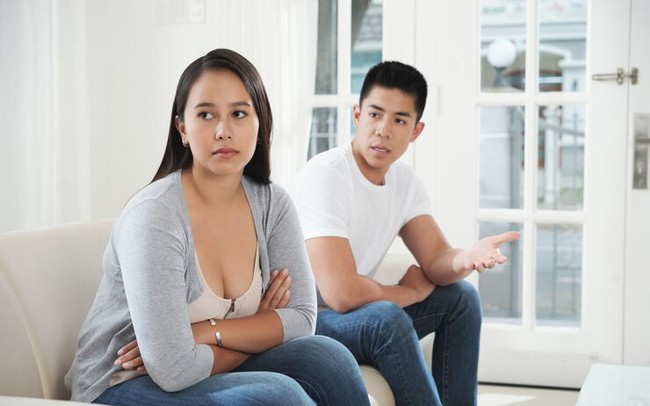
{"x": 441, "y": 263}
{"x": 343, "y": 289}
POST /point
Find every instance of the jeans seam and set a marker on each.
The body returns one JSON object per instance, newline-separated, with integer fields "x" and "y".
{"x": 313, "y": 393}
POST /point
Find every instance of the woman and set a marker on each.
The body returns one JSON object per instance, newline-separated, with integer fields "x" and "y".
{"x": 187, "y": 261}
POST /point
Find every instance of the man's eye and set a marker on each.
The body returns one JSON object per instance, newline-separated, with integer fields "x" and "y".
{"x": 373, "y": 115}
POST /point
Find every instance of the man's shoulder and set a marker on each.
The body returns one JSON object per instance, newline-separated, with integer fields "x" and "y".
{"x": 402, "y": 173}
{"x": 334, "y": 158}
{"x": 333, "y": 163}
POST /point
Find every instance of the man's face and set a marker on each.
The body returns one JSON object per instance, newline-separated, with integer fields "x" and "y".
{"x": 386, "y": 123}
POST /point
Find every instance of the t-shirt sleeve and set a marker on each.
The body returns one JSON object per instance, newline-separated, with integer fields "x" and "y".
{"x": 420, "y": 201}
{"x": 321, "y": 202}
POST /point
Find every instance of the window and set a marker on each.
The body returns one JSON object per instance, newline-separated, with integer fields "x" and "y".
{"x": 350, "y": 41}
{"x": 532, "y": 104}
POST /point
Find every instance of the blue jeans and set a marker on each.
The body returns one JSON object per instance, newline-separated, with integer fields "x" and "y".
{"x": 386, "y": 336}
{"x": 304, "y": 371}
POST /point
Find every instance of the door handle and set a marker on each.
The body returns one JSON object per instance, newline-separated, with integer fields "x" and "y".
{"x": 619, "y": 76}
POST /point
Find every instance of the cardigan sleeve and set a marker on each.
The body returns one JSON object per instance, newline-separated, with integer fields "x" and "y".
{"x": 286, "y": 249}
{"x": 151, "y": 246}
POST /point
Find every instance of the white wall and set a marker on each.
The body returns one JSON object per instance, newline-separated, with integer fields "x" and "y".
{"x": 133, "y": 68}
{"x": 95, "y": 81}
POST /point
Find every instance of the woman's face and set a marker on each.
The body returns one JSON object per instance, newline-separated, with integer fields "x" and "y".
{"x": 220, "y": 124}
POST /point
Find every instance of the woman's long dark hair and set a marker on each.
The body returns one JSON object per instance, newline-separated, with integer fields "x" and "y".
{"x": 177, "y": 156}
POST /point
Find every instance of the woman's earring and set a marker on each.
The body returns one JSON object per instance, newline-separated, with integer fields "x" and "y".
{"x": 185, "y": 143}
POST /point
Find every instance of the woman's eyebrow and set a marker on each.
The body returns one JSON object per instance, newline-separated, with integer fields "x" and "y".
{"x": 237, "y": 103}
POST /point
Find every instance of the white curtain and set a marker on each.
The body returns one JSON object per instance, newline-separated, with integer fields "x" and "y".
{"x": 87, "y": 89}
{"x": 280, "y": 38}
{"x": 44, "y": 142}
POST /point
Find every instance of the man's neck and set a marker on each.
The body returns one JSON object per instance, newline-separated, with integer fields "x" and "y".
{"x": 374, "y": 175}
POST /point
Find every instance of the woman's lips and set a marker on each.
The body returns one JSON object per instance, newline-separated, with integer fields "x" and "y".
{"x": 225, "y": 152}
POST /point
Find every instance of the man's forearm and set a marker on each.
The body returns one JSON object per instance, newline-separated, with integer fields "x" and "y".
{"x": 365, "y": 290}
{"x": 446, "y": 268}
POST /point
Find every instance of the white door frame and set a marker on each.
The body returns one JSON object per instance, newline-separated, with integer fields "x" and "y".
{"x": 446, "y": 159}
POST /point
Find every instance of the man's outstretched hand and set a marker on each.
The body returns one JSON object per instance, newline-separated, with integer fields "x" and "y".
{"x": 485, "y": 253}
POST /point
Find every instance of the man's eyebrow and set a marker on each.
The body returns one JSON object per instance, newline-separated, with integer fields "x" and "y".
{"x": 399, "y": 113}
{"x": 374, "y": 106}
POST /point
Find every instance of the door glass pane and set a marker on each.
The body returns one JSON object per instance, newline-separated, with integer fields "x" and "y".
{"x": 503, "y": 45}
{"x": 326, "y": 74}
{"x": 562, "y": 45}
{"x": 560, "y": 162}
{"x": 501, "y": 288}
{"x": 366, "y": 37}
{"x": 501, "y": 157}
{"x": 323, "y": 130}
{"x": 559, "y": 275}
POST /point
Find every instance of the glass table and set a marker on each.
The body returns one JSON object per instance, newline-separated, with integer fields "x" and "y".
{"x": 616, "y": 385}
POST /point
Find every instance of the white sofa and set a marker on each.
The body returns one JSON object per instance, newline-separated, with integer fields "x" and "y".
{"x": 48, "y": 279}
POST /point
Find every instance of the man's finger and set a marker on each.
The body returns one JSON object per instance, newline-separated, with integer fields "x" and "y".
{"x": 507, "y": 237}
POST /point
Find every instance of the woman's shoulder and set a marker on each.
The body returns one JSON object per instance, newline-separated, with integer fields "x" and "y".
{"x": 162, "y": 196}
{"x": 270, "y": 200}
{"x": 270, "y": 192}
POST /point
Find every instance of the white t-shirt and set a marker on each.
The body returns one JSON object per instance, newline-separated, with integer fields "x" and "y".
{"x": 334, "y": 199}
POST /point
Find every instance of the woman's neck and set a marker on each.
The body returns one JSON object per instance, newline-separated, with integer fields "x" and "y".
{"x": 212, "y": 190}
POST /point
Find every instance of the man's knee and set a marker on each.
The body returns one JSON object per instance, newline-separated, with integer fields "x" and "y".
{"x": 469, "y": 298}
{"x": 391, "y": 317}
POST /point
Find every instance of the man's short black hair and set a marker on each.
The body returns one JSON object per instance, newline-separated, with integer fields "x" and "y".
{"x": 397, "y": 75}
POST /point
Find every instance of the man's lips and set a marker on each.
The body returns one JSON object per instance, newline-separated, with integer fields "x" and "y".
{"x": 380, "y": 148}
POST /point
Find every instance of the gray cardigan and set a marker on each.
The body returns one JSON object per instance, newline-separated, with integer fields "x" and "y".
{"x": 150, "y": 277}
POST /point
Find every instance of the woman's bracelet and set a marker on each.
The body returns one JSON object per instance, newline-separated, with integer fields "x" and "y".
{"x": 217, "y": 334}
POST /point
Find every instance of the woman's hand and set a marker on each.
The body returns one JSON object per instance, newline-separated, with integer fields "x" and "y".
{"x": 277, "y": 295}
{"x": 129, "y": 357}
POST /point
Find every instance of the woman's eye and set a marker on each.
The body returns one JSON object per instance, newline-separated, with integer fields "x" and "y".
{"x": 239, "y": 114}
{"x": 206, "y": 116}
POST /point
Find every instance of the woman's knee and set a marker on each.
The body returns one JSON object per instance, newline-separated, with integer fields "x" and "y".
{"x": 320, "y": 348}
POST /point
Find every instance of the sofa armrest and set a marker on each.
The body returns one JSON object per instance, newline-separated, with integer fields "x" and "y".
{"x": 48, "y": 279}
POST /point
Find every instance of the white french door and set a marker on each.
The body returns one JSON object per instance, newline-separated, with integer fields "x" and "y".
{"x": 636, "y": 350}
{"x": 518, "y": 136}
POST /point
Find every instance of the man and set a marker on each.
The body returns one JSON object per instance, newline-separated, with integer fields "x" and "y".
{"x": 353, "y": 201}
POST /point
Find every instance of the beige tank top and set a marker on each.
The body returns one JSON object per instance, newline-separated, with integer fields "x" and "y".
{"x": 210, "y": 305}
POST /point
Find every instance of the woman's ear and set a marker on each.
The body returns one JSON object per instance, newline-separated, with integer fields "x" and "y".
{"x": 180, "y": 126}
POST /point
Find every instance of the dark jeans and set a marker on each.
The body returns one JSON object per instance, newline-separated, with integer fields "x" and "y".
{"x": 386, "y": 336}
